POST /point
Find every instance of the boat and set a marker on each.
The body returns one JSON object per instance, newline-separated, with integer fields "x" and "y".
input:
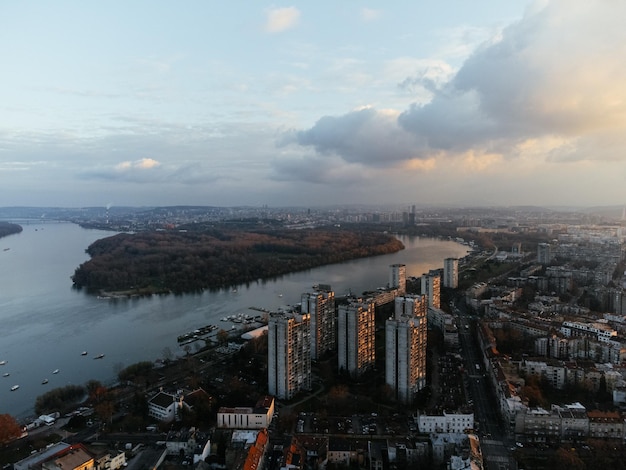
{"x": 99, "y": 356}
{"x": 6, "y": 374}
{"x": 84, "y": 353}
{"x": 55, "y": 371}
{"x": 44, "y": 381}
{"x": 14, "y": 388}
{"x": 2, "y": 363}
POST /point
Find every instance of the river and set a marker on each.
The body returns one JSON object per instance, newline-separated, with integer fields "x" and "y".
{"x": 46, "y": 324}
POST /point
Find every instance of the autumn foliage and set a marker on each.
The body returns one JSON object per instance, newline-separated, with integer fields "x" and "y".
{"x": 194, "y": 260}
{"x": 9, "y": 429}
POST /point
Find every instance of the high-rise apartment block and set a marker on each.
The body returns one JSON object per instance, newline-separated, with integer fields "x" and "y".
{"x": 405, "y": 347}
{"x": 544, "y": 253}
{"x": 289, "y": 354}
{"x": 321, "y": 306}
{"x": 451, "y": 273}
{"x": 431, "y": 287}
{"x": 397, "y": 277}
{"x": 356, "y": 337}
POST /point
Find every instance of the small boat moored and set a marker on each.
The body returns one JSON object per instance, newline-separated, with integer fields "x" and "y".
{"x": 14, "y": 388}
{"x": 2, "y": 363}
{"x": 55, "y": 371}
{"x": 6, "y": 374}
{"x": 44, "y": 381}
{"x": 84, "y": 353}
{"x": 99, "y": 356}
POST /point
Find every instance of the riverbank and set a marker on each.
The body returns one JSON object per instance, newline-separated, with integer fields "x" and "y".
{"x": 183, "y": 262}
{"x": 39, "y": 307}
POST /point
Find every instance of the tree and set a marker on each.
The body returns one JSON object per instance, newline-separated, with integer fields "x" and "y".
{"x": 9, "y": 429}
{"x": 222, "y": 337}
{"x": 566, "y": 459}
{"x": 167, "y": 354}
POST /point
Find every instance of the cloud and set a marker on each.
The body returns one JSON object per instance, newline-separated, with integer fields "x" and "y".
{"x": 549, "y": 87}
{"x": 554, "y": 73}
{"x": 281, "y": 19}
{"x": 363, "y": 136}
{"x": 369, "y": 14}
{"x": 143, "y": 164}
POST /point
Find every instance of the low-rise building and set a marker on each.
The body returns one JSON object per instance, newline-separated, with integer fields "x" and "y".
{"x": 606, "y": 424}
{"x": 538, "y": 425}
{"x": 164, "y": 406}
{"x": 75, "y": 457}
{"x": 445, "y": 423}
{"x": 257, "y": 417}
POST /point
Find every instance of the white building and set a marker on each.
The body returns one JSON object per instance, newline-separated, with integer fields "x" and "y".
{"x": 448, "y": 422}
{"x": 601, "y": 331}
{"x": 164, "y": 406}
{"x": 289, "y": 354}
{"x": 356, "y": 349}
{"x": 257, "y": 417}
{"x": 405, "y": 347}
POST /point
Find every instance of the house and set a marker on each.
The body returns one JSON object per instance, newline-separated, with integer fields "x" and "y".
{"x": 164, "y": 406}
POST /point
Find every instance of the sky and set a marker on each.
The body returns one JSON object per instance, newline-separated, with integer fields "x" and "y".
{"x": 312, "y": 103}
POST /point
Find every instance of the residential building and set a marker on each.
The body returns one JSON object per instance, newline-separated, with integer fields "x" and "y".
{"x": 356, "y": 349}
{"x": 75, "y": 457}
{"x": 397, "y": 277}
{"x": 164, "y": 406}
{"x": 190, "y": 442}
{"x": 538, "y": 425}
{"x": 606, "y": 424}
{"x": 247, "y": 450}
{"x": 405, "y": 347}
{"x": 446, "y": 422}
{"x": 109, "y": 460}
{"x": 289, "y": 354}
{"x": 451, "y": 273}
{"x": 544, "y": 253}
{"x": 320, "y": 305}
{"x": 341, "y": 451}
{"x": 431, "y": 287}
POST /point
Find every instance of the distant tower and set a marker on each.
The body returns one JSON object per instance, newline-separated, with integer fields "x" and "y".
{"x": 451, "y": 273}
{"x": 321, "y": 306}
{"x": 544, "y": 253}
{"x": 431, "y": 287}
{"x": 405, "y": 347}
{"x": 356, "y": 337}
{"x": 397, "y": 277}
{"x": 289, "y": 354}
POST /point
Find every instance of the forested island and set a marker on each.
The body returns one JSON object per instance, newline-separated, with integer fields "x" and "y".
{"x": 7, "y": 228}
{"x": 188, "y": 261}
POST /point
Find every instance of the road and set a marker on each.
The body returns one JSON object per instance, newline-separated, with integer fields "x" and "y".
{"x": 495, "y": 443}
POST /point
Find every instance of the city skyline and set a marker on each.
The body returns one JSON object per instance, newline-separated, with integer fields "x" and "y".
{"x": 151, "y": 104}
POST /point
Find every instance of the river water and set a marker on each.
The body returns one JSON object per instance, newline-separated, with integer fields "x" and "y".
{"x": 45, "y": 324}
